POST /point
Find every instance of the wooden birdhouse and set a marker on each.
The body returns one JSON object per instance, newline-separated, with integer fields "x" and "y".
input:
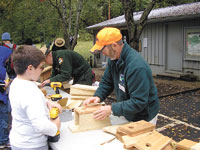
{"x": 84, "y": 120}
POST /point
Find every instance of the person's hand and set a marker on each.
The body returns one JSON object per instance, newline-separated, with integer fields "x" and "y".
{"x": 56, "y": 122}
{"x": 45, "y": 82}
{"x": 7, "y": 83}
{"x": 102, "y": 113}
{"x": 91, "y": 100}
{"x": 51, "y": 104}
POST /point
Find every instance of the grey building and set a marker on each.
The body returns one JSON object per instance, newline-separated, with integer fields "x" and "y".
{"x": 170, "y": 42}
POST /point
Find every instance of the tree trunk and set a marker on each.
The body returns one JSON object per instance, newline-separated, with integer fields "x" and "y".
{"x": 135, "y": 30}
{"x": 67, "y": 24}
{"x": 79, "y": 8}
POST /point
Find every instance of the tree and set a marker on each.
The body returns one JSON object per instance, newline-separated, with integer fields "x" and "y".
{"x": 135, "y": 30}
{"x": 28, "y": 19}
{"x": 67, "y": 23}
{"x": 3, "y": 6}
{"x": 39, "y": 20}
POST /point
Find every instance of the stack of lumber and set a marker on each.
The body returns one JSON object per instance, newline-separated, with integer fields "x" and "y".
{"x": 79, "y": 93}
{"x": 82, "y": 92}
{"x": 142, "y": 135}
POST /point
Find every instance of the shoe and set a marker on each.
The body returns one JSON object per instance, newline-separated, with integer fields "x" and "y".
{"x": 5, "y": 146}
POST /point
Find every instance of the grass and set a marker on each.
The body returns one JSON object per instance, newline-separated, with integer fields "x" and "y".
{"x": 83, "y": 48}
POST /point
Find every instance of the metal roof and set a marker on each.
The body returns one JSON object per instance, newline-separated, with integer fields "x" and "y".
{"x": 179, "y": 12}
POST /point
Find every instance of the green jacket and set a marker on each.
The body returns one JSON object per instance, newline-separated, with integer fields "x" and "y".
{"x": 68, "y": 64}
{"x": 131, "y": 79}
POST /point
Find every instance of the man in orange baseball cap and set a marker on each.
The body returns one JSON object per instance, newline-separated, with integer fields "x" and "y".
{"x": 109, "y": 42}
{"x": 106, "y": 36}
{"x": 129, "y": 75}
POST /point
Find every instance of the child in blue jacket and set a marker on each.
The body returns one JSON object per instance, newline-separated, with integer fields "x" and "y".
{"x": 5, "y": 54}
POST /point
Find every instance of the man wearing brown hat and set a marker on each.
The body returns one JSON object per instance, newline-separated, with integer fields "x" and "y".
{"x": 59, "y": 44}
{"x": 129, "y": 75}
{"x": 68, "y": 64}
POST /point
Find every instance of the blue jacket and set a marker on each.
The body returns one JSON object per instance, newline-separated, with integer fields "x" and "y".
{"x": 131, "y": 79}
{"x": 4, "y": 55}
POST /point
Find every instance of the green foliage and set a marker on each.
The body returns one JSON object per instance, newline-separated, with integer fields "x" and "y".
{"x": 85, "y": 36}
{"x": 30, "y": 19}
{"x": 141, "y": 4}
{"x": 83, "y": 48}
{"x": 116, "y": 8}
{"x": 91, "y": 13}
{"x": 40, "y": 21}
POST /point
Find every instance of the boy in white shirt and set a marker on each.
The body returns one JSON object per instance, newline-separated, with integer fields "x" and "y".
{"x": 31, "y": 124}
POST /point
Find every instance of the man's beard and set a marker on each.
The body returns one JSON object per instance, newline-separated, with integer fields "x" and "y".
{"x": 112, "y": 53}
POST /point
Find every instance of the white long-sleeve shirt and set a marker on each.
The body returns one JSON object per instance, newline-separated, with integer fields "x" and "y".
{"x": 30, "y": 115}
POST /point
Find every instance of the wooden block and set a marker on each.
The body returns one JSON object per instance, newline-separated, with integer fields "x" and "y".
{"x": 66, "y": 85}
{"x": 132, "y": 148}
{"x": 63, "y": 102}
{"x": 74, "y": 104}
{"x": 136, "y": 128}
{"x": 169, "y": 147}
{"x": 185, "y": 144}
{"x": 84, "y": 90}
{"x": 129, "y": 141}
{"x": 75, "y": 97}
{"x": 84, "y": 87}
{"x": 84, "y": 120}
{"x": 153, "y": 141}
{"x": 88, "y": 109}
{"x": 111, "y": 129}
{"x": 196, "y": 147}
{"x": 119, "y": 136}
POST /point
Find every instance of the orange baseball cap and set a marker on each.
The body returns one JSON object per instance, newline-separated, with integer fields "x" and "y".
{"x": 106, "y": 36}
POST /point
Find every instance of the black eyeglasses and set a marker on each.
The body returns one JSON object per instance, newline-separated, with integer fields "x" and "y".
{"x": 99, "y": 51}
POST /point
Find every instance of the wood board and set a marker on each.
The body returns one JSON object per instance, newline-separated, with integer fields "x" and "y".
{"x": 153, "y": 141}
{"x": 86, "y": 123}
{"x": 82, "y": 97}
{"x": 82, "y": 90}
{"x": 185, "y": 144}
{"x": 88, "y": 109}
{"x": 136, "y": 128}
{"x": 129, "y": 141}
{"x": 74, "y": 104}
{"x": 196, "y": 147}
{"x": 84, "y": 120}
{"x": 111, "y": 129}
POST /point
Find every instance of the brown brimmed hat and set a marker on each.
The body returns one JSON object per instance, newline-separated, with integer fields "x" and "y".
{"x": 59, "y": 42}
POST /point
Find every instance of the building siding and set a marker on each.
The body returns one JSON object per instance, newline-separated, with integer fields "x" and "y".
{"x": 156, "y": 51}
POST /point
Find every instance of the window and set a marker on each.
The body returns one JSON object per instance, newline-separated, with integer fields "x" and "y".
{"x": 192, "y": 43}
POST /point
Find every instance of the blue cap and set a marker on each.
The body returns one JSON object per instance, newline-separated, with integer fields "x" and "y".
{"x": 6, "y": 37}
